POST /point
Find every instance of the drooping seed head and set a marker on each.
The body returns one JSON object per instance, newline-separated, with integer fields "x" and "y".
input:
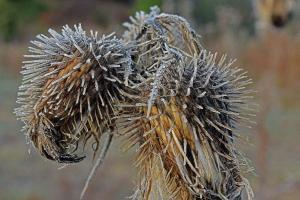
{"x": 70, "y": 83}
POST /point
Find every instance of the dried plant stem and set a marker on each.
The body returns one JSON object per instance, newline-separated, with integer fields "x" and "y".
{"x": 98, "y": 163}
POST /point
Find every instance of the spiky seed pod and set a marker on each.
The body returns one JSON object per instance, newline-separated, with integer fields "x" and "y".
{"x": 69, "y": 86}
{"x": 186, "y": 115}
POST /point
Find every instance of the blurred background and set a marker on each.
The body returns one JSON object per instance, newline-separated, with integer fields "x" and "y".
{"x": 272, "y": 58}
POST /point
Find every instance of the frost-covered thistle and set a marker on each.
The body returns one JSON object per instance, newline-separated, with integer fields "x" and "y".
{"x": 71, "y": 82}
{"x": 188, "y": 110}
{"x": 157, "y": 87}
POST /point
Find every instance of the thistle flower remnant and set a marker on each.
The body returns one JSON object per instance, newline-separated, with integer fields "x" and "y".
{"x": 156, "y": 88}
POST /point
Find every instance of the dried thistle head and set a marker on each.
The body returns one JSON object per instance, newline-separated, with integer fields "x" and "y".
{"x": 186, "y": 115}
{"x": 158, "y": 87}
{"x": 70, "y": 84}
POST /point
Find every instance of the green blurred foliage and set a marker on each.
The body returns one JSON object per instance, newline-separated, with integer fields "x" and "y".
{"x": 145, "y": 4}
{"x": 14, "y": 13}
